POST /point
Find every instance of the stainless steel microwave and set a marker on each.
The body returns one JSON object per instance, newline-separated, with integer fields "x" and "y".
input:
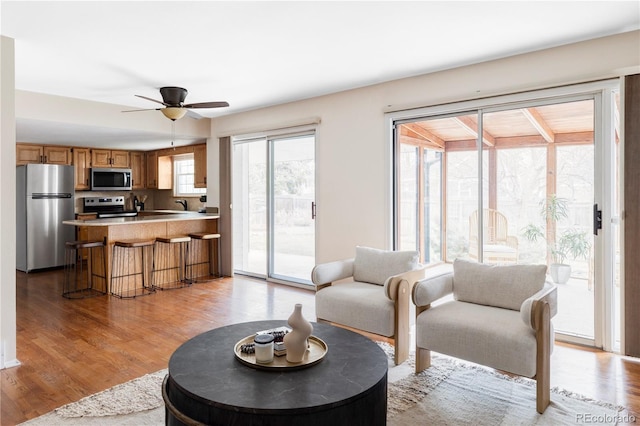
{"x": 110, "y": 179}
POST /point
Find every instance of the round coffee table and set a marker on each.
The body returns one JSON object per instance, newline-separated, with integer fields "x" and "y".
{"x": 206, "y": 384}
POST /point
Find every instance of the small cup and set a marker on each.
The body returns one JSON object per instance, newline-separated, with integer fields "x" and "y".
{"x": 264, "y": 348}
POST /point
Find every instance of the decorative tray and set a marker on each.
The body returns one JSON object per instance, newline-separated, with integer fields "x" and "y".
{"x": 315, "y": 353}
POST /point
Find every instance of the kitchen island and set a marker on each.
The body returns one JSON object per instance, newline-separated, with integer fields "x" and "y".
{"x": 148, "y": 225}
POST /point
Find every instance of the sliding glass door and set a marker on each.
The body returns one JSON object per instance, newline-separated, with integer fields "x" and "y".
{"x": 292, "y": 208}
{"x": 519, "y": 182}
{"x": 250, "y": 207}
{"x": 273, "y": 207}
{"x": 542, "y": 185}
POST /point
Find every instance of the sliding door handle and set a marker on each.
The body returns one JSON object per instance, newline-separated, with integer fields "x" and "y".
{"x": 597, "y": 219}
{"x": 313, "y": 210}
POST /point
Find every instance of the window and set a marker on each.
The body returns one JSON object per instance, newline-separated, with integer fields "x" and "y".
{"x": 183, "y": 177}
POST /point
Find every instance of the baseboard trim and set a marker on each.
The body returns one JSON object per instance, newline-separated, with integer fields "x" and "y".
{"x": 11, "y": 364}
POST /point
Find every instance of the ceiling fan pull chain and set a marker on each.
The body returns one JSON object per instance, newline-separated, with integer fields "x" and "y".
{"x": 173, "y": 133}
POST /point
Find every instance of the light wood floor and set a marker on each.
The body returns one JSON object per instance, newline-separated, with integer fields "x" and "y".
{"x": 69, "y": 349}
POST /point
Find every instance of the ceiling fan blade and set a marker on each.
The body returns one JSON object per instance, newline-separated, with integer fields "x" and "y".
{"x": 207, "y": 105}
{"x": 148, "y": 109}
{"x": 152, "y": 100}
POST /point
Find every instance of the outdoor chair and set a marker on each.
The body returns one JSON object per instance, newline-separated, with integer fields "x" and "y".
{"x": 498, "y": 247}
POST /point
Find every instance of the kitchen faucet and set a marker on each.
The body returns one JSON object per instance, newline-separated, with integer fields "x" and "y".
{"x": 183, "y": 202}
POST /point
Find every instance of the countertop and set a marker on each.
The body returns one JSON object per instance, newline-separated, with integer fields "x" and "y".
{"x": 162, "y": 216}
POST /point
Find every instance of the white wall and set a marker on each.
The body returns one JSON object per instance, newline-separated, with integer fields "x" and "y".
{"x": 352, "y": 152}
{"x": 8, "y": 355}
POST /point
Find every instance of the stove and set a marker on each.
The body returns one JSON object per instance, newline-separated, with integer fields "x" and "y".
{"x": 107, "y": 207}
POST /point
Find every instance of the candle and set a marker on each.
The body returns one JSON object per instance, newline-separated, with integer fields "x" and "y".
{"x": 264, "y": 348}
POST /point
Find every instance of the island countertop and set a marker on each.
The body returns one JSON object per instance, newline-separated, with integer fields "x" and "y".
{"x": 146, "y": 226}
{"x": 140, "y": 219}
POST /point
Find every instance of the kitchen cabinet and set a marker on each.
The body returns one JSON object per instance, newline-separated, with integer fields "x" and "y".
{"x": 82, "y": 232}
{"x": 159, "y": 171}
{"x": 82, "y": 163}
{"x": 46, "y": 154}
{"x": 138, "y": 170}
{"x": 110, "y": 158}
{"x": 200, "y": 166}
{"x": 152, "y": 170}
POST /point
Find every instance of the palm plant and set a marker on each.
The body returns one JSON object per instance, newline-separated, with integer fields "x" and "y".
{"x": 571, "y": 244}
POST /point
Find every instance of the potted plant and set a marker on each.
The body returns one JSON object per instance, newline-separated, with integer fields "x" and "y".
{"x": 571, "y": 244}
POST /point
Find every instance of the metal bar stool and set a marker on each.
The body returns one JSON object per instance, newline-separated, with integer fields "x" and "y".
{"x": 129, "y": 269}
{"x": 200, "y": 255}
{"x": 82, "y": 277}
{"x": 169, "y": 262}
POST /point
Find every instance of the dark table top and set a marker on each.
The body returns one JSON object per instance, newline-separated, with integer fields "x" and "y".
{"x": 205, "y": 369}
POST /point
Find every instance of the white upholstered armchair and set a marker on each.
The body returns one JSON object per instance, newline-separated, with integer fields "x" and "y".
{"x": 500, "y": 316}
{"x": 373, "y": 295}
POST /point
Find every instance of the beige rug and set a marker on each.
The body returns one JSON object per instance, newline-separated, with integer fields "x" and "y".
{"x": 449, "y": 393}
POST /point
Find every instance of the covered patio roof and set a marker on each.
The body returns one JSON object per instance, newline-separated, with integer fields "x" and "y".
{"x": 564, "y": 123}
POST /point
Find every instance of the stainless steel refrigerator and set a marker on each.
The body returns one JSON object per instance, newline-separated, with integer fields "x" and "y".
{"x": 44, "y": 198}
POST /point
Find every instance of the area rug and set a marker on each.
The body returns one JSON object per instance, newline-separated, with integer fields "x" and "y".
{"x": 450, "y": 392}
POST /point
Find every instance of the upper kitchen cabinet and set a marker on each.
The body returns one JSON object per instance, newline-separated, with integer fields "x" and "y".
{"x": 27, "y": 153}
{"x": 138, "y": 170}
{"x": 159, "y": 171}
{"x": 110, "y": 158}
{"x": 200, "y": 166}
{"x": 152, "y": 170}
{"x": 82, "y": 163}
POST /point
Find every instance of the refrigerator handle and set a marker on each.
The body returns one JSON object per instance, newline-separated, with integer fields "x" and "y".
{"x": 40, "y": 196}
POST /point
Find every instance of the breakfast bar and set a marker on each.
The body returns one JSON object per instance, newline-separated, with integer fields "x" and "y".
{"x": 145, "y": 226}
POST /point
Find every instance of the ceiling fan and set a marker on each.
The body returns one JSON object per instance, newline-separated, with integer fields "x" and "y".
{"x": 174, "y": 106}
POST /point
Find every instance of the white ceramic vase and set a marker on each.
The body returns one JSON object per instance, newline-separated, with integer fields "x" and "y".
{"x": 296, "y": 340}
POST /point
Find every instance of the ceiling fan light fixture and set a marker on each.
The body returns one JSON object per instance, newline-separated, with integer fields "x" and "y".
{"x": 174, "y": 113}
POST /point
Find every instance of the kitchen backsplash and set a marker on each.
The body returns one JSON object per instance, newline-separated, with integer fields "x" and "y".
{"x": 156, "y": 199}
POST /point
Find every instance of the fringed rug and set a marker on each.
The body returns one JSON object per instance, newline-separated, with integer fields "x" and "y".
{"x": 450, "y": 392}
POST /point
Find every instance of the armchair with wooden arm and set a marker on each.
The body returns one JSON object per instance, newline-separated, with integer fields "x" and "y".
{"x": 370, "y": 292}
{"x": 499, "y": 316}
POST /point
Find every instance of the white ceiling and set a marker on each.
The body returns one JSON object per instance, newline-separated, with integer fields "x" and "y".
{"x": 257, "y": 54}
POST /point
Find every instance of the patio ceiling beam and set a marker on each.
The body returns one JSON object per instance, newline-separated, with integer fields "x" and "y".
{"x": 575, "y": 138}
{"x": 521, "y": 142}
{"x": 472, "y": 128}
{"x": 463, "y": 145}
{"x": 421, "y": 133}
{"x": 539, "y": 123}
{"x": 412, "y": 140}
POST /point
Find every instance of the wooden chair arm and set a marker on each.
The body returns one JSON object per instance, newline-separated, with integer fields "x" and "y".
{"x": 393, "y": 283}
{"x": 542, "y": 325}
